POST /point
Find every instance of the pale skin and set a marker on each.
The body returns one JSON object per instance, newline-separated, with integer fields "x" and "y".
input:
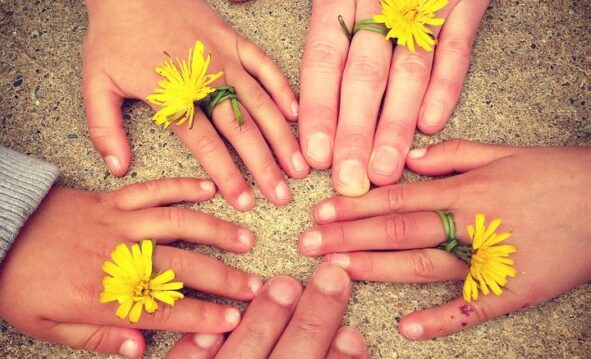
{"x": 126, "y": 41}
{"x": 50, "y": 281}
{"x": 285, "y": 322}
{"x": 540, "y": 193}
{"x": 387, "y": 92}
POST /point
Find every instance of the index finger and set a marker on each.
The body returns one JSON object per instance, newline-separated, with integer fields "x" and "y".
{"x": 322, "y": 68}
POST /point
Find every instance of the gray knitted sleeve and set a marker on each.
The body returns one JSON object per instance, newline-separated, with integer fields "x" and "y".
{"x": 24, "y": 181}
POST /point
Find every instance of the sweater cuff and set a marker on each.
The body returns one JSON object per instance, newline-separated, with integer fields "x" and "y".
{"x": 24, "y": 182}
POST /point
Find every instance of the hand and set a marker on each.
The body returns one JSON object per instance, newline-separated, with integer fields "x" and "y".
{"x": 50, "y": 280}
{"x": 541, "y": 194}
{"x": 281, "y": 322}
{"x": 347, "y": 83}
{"x": 126, "y": 40}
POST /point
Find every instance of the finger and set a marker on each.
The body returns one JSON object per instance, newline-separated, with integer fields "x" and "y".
{"x": 187, "y": 315}
{"x": 275, "y": 129}
{"x": 209, "y": 149}
{"x": 412, "y": 266}
{"x": 264, "y": 321}
{"x": 456, "y": 156}
{"x": 105, "y": 122}
{"x": 393, "y": 231}
{"x": 409, "y": 76}
{"x": 258, "y": 64}
{"x": 169, "y": 224}
{"x": 322, "y": 67}
{"x": 196, "y": 346}
{"x": 317, "y": 316}
{"x": 206, "y": 274}
{"x": 348, "y": 343}
{"x": 452, "y": 60}
{"x": 161, "y": 192}
{"x": 458, "y": 315}
{"x": 99, "y": 339}
{"x": 364, "y": 81}
{"x": 408, "y": 197}
{"x": 252, "y": 148}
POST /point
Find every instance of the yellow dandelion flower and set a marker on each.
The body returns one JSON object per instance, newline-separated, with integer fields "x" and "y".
{"x": 130, "y": 282}
{"x": 187, "y": 82}
{"x": 407, "y": 20}
{"x": 489, "y": 264}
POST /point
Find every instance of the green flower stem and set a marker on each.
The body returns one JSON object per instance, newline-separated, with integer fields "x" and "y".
{"x": 222, "y": 94}
{"x": 451, "y": 243}
{"x": 366, "y": 24}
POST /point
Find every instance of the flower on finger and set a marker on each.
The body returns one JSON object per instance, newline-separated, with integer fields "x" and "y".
{"x": 404, "y": 21}
{"x": 186, "y": 83}
{"x": 488, "y": 259}
{"x": 490, "y": 264}
{"x": 132, "y": 283}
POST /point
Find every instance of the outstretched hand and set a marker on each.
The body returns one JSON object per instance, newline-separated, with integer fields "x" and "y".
{"x": 391, "y": 233}
{"x": 55, "y": 265}
{"x": 127, "y": 40}
{"x": 283, "y": 322}
{"x": 361, "y": 101}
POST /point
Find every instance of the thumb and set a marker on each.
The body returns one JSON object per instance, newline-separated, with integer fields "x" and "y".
{"x": 196, "y": 346}
{"x": 458, "y": 315}
{"x": 455, "y": 156}
{"x": 105, "y": 127}
{"x": 106, "y": 340}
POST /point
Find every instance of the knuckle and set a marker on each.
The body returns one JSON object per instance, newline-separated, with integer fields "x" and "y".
{"x": 207, "y": 144}
{"x": 176, "y": 217}
{"x": 260, "y": 99}
{"x": 364, "y": 265}
{"x": 453, "y": 147}
{"x": 395, "y": 228}
{"x": 253, "y": 336}
{"x": 395, "y": 198}
{"x": 398, "y": 126}
{"x": 323, "y": 55}
{"x": 97, "y": 339}
{"x": 319, "y": 110}
{"x": 422, "y": 265}
{"x": 163, "y": 316}
{"x": 448, "y": 85}
{"x": 481, "y": 311}
{"x": 152, "y": 189}
{"x": 459, "y": 46}
{"x": 337, "y": 236}
{"x": 356, "y": 137}
{"x": 413, "y": 66}
{"x": 99, "y": 133}
{"x": 366, "y": 69}
{"x": 310, "y": 326}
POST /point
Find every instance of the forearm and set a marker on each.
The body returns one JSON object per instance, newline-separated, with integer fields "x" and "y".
{"x": 24, "y": 182}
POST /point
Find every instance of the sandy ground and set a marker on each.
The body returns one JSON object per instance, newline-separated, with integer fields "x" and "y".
{"x": 529, "y": 84}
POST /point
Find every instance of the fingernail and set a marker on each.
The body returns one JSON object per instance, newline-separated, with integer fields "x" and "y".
{"x": 282, "y": 293}
{"x": 294, "y": 108}
{"x": 282, "y": 191}
{"x": 129, "y": 349}
{"x": 330, "y": 279}
{"x": 113, "y": 163}
{"x": 318, "y": 147}
{"x": 245, "y": 201}
{"x": 433, "y": 114}
{"x": 352, "y": 179}
{"x": 384, "y": 161}
{"x": 413, "y": 330}
{"x": 311, "y": 241}
{"x": 232, "y": 316}
{"x": 298, "y": 162}
{"x": 205, "y": 341}
{"x": 326, "y": 212}
{"x": 207, "y": 186}
{"x": 342, "y": 260}
{"x": 254, "y": 284}
{"x": 417, "y": 153}
{"x": 347, "y": 344}
{"x": 246, "y": 237}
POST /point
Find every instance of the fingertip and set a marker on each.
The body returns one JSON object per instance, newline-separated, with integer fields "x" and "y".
{"x": 350, "y": 178}
{"x": 284, "y": 290}
{"x": 299, "y": 165}
{"x": 132, "y": 348}
{"x": 116, "y": 166}
{"x": 282, "y": 194}
{"x": 411, "y": 328}
{"x": 246, "y": 239}
{"x": 432, "y": 119}
{"x": 207, "y": 341}
{"x": 331, "y": 279}
{"x": 350, "y": 342}
{"x": 318, "y": 149}
{"x": 325, "y": 212}
{"x": 245, "y": 201}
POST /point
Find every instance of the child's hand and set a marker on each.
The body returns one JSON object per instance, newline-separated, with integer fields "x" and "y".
{"x": 126, "y": 40}
{"x": 360, "y": 101}
{"x": 541, "y": 194}
{"x": 50, "y": 281}
{"x": 281, "y": 322}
